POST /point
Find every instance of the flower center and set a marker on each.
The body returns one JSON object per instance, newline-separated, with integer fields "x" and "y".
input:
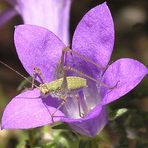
{"x": 82, "y": 101}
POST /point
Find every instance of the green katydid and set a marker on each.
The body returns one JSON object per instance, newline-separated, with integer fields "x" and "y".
{"x": 65, "y": 86}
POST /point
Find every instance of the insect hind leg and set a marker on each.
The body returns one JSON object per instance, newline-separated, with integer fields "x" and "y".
{"x": 87, "y": 76}
{"x": 73, "y": 52}
{"x": 68, "y": 50}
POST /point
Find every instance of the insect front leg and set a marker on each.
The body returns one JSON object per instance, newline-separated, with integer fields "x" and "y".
{"x": 37, "y": 73}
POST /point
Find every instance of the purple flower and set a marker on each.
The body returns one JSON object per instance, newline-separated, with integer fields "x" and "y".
{"x": 51, "y": 14}
{"x": 93, "y": 38}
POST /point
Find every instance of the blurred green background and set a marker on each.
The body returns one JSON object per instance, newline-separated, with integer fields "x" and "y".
{"x": 131, "y": 40}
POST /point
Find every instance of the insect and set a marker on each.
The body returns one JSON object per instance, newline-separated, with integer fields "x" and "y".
{"x": 64, "y": 86}
{"x": 68, "y": 86}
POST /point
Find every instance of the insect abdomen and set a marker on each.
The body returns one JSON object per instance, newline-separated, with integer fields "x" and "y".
{"x": 72, "y": 82}
{"x": 76, "y": 82}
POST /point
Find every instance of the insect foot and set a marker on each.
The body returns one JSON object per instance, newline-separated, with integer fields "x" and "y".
{"x": 115, "y": 86}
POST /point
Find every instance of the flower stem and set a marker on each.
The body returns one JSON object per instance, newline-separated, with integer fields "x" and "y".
{"x": 31, "y": 138}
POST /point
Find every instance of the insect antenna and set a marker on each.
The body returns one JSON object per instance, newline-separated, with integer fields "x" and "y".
{"x": 6, "y": 65}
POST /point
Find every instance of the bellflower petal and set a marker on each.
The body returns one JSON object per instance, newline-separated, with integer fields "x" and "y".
{"x": 37, "y": 47}
{"x": 90, "y": 125}
{"x": 123, "y": 75}
{"x": 6, "y": 15}
{"x": 94, "y": 35}
{"x": 51, "y": 14}
{"x": 27, "y": 110}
